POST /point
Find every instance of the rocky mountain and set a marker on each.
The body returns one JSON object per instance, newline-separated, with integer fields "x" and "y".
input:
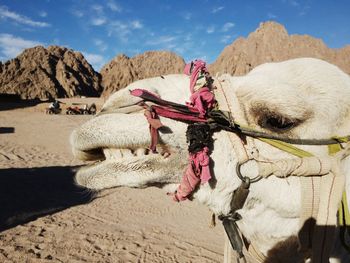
{"x": 61, "y": 72}
{"x": 271, "y": 42}
{"x": 48, "y": 73}
{"x": 123, "y": 70}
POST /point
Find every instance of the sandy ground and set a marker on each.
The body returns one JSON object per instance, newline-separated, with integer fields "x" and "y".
{"x": 45, "y": 217}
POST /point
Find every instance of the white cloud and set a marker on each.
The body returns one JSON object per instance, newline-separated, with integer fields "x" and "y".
{"x": 114, "y": 6}
{"x": 188, "y": 38}
{"x": 97, "y": 8}
{"x": 56, "y": 41}
{"x": 11, "y": 46}
{"x": 225, "y": 39}
{"x": 134, "y": 52}
{"x": 161, "y": 40}
{"x": 100, "y": 44}
{"x": 122, "y": 30}
{"x": 291, "y": 2}
{"x": 187, "y": 16}
{"x": 98, "y": 21}
{"x": 227, "y": 26}
{"x": 294, "y": 3}
{"x": 119, "y": 29}
{"x": 43, "y": 14}
{"x": 96, "y": 60}
{"x": 77, "y": 13}
{"x": 5, "y": 13}
{"x": 304, "y": 10}
{"x": 136, "y": 24}
{"x": 211, "y": 29}
{"x": 271, "y": 16}
{"x": 217, "y": 9}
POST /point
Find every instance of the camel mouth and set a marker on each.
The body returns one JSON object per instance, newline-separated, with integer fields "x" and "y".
{"x": 114, "y": 153}
{"x": 124, "y": 156}
{"x": 115, "y": 148}
{"x": 110, "y": 163}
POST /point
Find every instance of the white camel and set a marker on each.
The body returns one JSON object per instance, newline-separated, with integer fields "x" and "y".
{"x": 301, "y": 98}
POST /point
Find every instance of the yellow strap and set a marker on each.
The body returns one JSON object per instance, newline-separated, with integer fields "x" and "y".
{"x": 287, "y": 147}
{"x": 344, "y": 215}
{"x": 334, "y": 148}
{"x": 343, "y": 211}
{"x": 343, "y": 221}
{"x": 341, "y": 139}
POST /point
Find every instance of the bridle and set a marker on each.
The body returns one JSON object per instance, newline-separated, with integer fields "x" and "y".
{"x": 335, "y": 146}
{"x": 222, "y": 120}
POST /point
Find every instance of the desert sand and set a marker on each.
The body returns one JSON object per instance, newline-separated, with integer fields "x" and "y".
{"x": 45, "y": 217}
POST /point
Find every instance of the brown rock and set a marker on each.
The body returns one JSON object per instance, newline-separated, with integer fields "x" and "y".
{"x": 60, "y": 72}
{"x": 122, "y": 70}
{"x": 46, "y": 73}
{"x": 271, "y": 42}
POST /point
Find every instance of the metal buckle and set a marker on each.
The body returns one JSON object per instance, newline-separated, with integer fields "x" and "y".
{"x": 246, "y": 179}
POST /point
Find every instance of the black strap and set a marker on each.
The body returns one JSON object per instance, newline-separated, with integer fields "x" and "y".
{"x": 229, "y": 221}
{"x": 231, "y": 229}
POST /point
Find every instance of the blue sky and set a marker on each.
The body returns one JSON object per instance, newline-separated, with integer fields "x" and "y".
{"x": 193, "y": 29}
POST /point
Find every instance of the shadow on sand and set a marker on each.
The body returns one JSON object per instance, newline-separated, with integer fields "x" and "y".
{"x": 29, "y": 193}
{"x": 4, "y": 130}
{"x": 14, "y": 101}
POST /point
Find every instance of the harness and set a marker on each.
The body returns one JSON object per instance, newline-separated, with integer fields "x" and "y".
{"x": 317, "y": 174}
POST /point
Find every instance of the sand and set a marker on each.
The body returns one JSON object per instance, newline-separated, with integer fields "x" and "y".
{"x": 45, "y": 217}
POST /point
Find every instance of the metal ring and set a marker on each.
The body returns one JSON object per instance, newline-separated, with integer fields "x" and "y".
{"x": 246, "y": 179}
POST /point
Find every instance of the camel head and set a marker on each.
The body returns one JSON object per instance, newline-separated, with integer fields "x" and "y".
{"x": 301, "y": 98}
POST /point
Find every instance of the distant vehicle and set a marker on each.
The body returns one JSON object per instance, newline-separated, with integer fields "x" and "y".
{"x": 85, "y": 109}
{"x": 53, "y": 111}
{"x": 54, "y": 108}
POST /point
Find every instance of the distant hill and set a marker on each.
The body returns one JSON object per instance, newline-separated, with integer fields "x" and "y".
{"x": 271, "y": 43}
{"x": 122, "y": 70}
{"x": 57, "y": 72}
{"x": 48, "y": 73}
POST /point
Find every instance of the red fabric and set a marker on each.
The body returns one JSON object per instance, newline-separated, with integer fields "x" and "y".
{"x": 140, "y": 92}
{"x": 172, "y": 114}
{"x": 197, "y": 171}
{"x": 198, "y": 67}
{"x": 203, "y": 100}
{"x": 201, "y": 162}
{"x": 188, "y": 69}
{"x": 154, "y": 125}
{"x": 188, "y": 183}
{"x": 144, "y": 93}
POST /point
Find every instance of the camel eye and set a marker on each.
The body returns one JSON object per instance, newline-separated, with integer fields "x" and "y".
{"x": 276, "y": 123}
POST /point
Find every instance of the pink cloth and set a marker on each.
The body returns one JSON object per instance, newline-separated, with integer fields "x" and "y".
{"x": 188, "y": 68}
{"x": 203, "y": 100}
{"x": 154, "y": 125}
{"x": 176, "y": 115}
{"x": 194, "y": 69}
{"x": 201, "y": 163}
{"x": 198, "y": 171}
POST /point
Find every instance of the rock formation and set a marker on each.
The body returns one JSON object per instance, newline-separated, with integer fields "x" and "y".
{"x": 55, "y": 72}
{"x": 60, "y": 72}
{"x": 271, "y": 42}
{"x": 123, "y": 70}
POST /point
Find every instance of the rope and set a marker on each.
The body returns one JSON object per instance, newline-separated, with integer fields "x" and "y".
{"x": 258, "y": 134}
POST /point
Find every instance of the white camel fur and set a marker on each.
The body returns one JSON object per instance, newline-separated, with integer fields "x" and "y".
{"x": 312, "y": 95}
